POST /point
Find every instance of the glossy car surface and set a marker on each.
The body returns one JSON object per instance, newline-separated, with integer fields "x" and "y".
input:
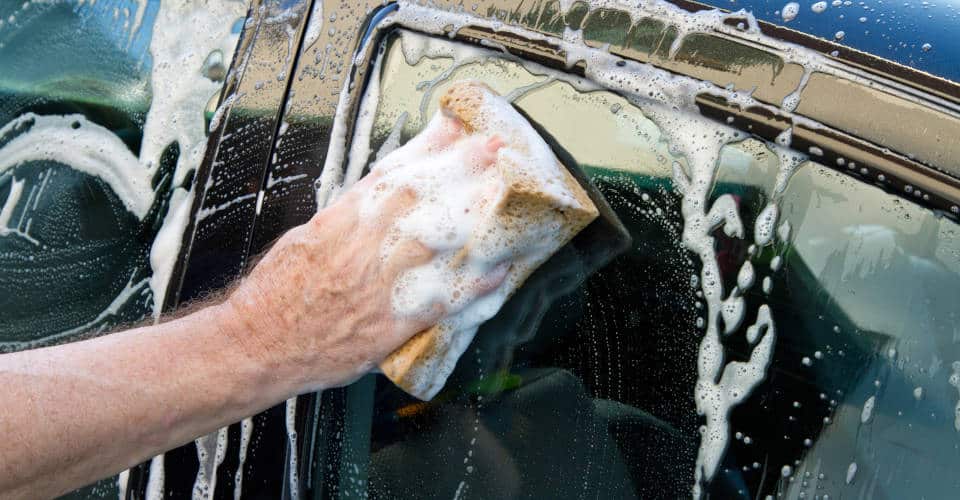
{"x": 789, "y": 248}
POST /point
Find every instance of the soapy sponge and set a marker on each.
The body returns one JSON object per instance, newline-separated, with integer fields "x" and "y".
{"x": 537, "y": 208}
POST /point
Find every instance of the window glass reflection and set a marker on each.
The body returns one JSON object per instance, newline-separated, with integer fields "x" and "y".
{"x": 583, "y": 384}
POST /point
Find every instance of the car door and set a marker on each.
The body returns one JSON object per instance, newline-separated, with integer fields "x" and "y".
{"x": 774, "y": 316}
{"x": 784, "y": 309}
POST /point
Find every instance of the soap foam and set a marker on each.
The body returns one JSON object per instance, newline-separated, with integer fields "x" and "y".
{"x": 671, "y": 105}
{"x": 455, "y": 195}
{"x": 458, "y": 172}
{"x": 669, "y": 100}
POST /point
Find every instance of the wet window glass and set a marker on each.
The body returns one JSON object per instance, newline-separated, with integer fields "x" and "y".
{"x": 838, "y": 373}
{"x": 103, "y": 117}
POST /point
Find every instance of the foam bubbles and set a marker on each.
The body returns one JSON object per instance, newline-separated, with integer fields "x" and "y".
{"x": 466, "y": 177}
{"x": 764, "y": 226}
{"x": 954, "y": 380}
{"x": 746, "y": 276}
{"x": 867, "y": 412}
{"x": 790, "y": 11}
{"x": 293, "y": 478}
{"x": 851, "y": 472}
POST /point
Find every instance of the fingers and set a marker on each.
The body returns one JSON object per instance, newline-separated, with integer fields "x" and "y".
{"x": 483, "y": 153}
{"x": 492, "y": 280}
{"x": 358, "y": 190}
{"x": 494, "y": 143}
{"x": 435, "y": 313}
{"x": 407, "y": 255}
{"x": 409, "y": 327}
{"x": 429, "y": 316}
{"x": 368, "y": 180}
{"x": 398, "y": 203}
{"x": 450, "y": 129}
{"x": 441, "y": 132}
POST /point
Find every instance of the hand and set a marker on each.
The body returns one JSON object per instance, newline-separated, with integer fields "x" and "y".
{"x": 320, "y": 299}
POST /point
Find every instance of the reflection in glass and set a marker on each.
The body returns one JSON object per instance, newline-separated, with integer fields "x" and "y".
{"x": 585, "y": 389}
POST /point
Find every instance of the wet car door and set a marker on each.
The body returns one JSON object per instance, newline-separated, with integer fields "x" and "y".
{"x": 745, "y": 343}
{"x": 819, "y": 311}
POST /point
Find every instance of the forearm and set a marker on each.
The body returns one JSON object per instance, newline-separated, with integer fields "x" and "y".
{"x": 316, "y": 312}
{"x": 90, "y": 409}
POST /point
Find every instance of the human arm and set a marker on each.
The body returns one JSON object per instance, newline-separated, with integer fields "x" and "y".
{"x": 314, "y": 313}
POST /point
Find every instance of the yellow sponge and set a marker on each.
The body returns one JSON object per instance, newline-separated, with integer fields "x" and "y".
{"x": 541, "y": 208}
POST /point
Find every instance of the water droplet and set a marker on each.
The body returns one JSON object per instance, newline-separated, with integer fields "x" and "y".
{"x": 790, "y": 11}
{"x": 851, "y": 472}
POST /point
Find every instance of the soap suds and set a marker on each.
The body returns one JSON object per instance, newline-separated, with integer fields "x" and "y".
{"x": 330, "y": 182}
{"x": 246, "y": 432}
{"x": 866, "y": 413}
{"x": 466, "y": 182}
{"x": 179, "y": 93}
{"x": 184, "y": 34}
{"x": 363, "y": 128}
{"x": 669, "y": 101}
{"x": 156, "y": 480}
{"x": 392, "y": 141}
{"x": 790, "y": 11}
{"x": 210, "y": 452}
{"x": 763, "y": 229}
{"x": 314, "y": 26}
{"x": 84, "y": 146}
{"x": 851, "y": 472}
{"x": 122, "y": 479}
{"x": 775, "y": 263}
{"x": 954, "y": 380}
{"x": 783, "y": 231}
{"x": 6, "y": 213}
{"x": 746, "y": 276}
{"x": 290, "y": 421}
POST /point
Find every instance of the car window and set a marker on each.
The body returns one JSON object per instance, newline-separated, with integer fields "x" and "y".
{"x": 582, "y": 386}
{"x": 104, "y": 111}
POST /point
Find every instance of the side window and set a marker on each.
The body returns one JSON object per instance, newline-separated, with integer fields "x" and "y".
{"x": 863, "y": 286}
{"x": 836, "y": 366}
{"x": 541, "y": 402}
{"x": 104, "y": 108}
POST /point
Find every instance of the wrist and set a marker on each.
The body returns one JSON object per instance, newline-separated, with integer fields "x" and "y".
{"x": 247, "y": 338}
